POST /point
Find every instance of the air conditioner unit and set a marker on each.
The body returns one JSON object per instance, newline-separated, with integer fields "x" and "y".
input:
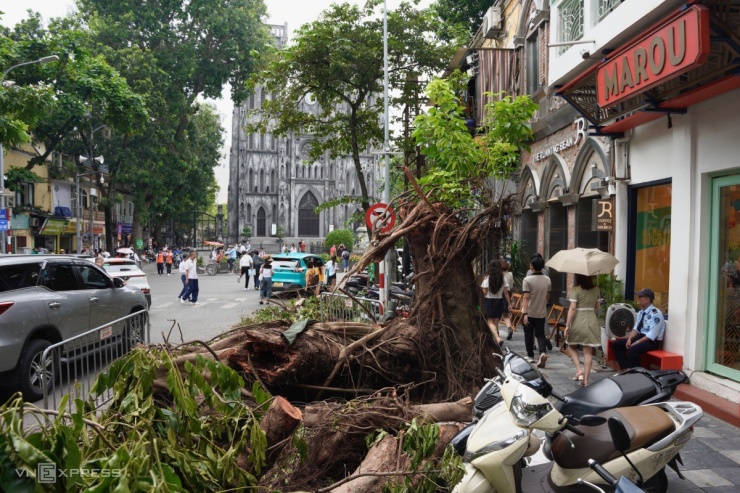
{"x": 10, "y": 201}
{"x": 492, "y": 25}
{"x": 619, "y": 318}
{"x": 34, "y": 221}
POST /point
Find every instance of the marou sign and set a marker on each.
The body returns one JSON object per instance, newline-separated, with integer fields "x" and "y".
{"x": 669, "y": 49}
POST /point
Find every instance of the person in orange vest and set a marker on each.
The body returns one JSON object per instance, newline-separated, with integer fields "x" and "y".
{"x": 168, "y": 261}
{"x": 160, "y": 262}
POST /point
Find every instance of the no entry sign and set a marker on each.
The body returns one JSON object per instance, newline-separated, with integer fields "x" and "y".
{"x": 380, "y": 217}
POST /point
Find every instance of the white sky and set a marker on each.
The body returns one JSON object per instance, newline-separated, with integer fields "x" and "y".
{"x": 294, "y": 12}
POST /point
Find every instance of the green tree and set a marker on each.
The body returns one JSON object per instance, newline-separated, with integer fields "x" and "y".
{"x": 460, "y": 168}
{"x": 84, "y": 86}
{"x": 460, "y": 17}
{"x": 338, "y": 62}
{"x": 445, "y": 226}
{"x": 175, "y": 53}
{"x": 22, "y": 105}
{"x": 339, "y": 236}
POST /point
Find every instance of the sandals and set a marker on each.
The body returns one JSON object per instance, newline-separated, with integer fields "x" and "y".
{"x": 578, "y": 377}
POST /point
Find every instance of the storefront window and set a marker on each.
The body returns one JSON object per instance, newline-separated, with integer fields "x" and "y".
{"x": 557, "y": 240}
{"x": 653, "y": 242}
{"x": 723, "y": 341}
{"x": 585, "y": 236}
{"x": 529, "y": 232}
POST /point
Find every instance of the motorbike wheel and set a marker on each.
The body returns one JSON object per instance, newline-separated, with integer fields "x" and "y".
{"x": 211, "y": 269}
{"x": 656, "y": 484}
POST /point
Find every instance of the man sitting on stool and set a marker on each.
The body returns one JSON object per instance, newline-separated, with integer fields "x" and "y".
{"x": 647, "y": 335}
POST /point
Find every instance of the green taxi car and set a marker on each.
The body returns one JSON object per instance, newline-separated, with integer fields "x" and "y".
{"x": 290, "y": 271}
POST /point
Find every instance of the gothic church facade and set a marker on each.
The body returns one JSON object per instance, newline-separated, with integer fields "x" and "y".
{"x": 272, "y": 185}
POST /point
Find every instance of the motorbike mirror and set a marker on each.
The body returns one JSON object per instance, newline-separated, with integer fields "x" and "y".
{"x": 591, "y": 420}
{"x": 619, "y": 434}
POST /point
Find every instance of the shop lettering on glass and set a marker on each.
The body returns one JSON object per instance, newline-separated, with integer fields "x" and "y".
{"x": 667, "y": 51}
{"x": 581, "y": 128}
{"x": 654, "y": 228}
{"x": 602, "y": 215}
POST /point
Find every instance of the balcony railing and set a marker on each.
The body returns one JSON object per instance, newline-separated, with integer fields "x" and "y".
{"x": 605, "y": 7}
{"x": 570, "y": 22}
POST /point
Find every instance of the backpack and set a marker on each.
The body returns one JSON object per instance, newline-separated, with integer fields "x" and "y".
{"x": 313, "y": 278}
{"x": 345, "y": 254}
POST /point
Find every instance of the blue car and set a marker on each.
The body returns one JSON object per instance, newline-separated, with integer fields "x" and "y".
{"x": 290, "y": 271}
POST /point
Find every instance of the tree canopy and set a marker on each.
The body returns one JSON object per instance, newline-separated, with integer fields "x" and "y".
{"x": 77, "y": 86}
{"x": 460, "y": 16}
{"x": 337, "y": 61}
{"x": 461, "y": 166}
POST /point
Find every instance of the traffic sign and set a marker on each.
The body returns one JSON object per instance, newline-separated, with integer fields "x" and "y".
{"x": 380, "y": 217}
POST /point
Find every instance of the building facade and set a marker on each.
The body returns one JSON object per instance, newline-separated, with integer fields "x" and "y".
{"x": 272, "y": 185}
{"x": 638, "y": 106}
{"x": 666, "y": 89}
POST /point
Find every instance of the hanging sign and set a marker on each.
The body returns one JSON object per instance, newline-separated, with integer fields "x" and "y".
{"x": 380, "y": 217}
{"x": 602, "y": 215}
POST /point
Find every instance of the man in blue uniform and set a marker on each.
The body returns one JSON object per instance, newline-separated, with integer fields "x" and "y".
{"x": 647, "y": 334}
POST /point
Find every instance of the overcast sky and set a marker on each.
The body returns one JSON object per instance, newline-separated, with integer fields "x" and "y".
{"x": 294, "y": 12}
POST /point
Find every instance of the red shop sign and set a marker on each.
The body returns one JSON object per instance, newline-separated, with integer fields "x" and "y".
{"x": 665, "y": 51}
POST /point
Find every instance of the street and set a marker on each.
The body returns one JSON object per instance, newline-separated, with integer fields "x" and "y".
{"x": 221, "y": 304}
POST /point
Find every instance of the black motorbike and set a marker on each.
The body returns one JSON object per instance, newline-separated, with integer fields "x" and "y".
{"x": 632, "y": 387}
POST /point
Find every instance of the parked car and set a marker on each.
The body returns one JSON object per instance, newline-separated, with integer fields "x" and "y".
{"x": 46, "y": 299}
{"x": 126, "y": 269}
{"x": 290, "y": 271}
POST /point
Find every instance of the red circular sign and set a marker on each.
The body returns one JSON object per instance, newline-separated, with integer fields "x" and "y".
{"x": 381, "y": 217}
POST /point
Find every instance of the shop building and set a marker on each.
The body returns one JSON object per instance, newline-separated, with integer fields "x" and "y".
{"x": 666, "y": 90}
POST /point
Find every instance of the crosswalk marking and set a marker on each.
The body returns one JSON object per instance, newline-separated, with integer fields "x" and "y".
{"x": 230, "y": 305}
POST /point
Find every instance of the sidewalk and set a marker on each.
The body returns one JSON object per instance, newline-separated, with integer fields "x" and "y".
{"x": 711, "y": 459}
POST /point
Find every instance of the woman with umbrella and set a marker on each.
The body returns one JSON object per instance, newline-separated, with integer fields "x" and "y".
{"x": 582, "y": 326}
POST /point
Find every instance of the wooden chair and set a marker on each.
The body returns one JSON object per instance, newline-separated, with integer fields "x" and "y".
{"x": 557, "y": 325}
{"x": 516, "y": 310}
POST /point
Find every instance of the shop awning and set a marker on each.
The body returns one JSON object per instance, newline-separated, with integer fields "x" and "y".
{"x": 691, "y": 56}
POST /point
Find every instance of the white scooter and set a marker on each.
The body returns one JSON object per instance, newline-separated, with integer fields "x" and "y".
{"x": 495, "y": 457}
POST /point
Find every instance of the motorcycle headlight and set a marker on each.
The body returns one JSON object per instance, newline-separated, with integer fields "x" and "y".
{"x": 500, "y": 445}
{"x": 525, "y": 413}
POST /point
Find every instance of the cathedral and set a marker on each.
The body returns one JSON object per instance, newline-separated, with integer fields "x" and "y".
{"x": 271, "y": 185}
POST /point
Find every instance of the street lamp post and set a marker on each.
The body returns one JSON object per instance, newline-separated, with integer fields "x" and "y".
{"x": 385, "y": 265}
{"x": 4, "y": 233}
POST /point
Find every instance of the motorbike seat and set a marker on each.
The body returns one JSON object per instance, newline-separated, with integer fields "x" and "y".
{"x": 608, "y": 393}
{"x": 644, "y": 424}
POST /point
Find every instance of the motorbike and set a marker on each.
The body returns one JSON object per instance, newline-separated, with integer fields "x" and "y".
{"x": 176, "y": 260}
{"x": 628, "y": 388}
{"x": 500, "y": 446}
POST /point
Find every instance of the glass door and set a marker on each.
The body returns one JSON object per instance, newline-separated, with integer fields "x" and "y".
{"x": 723, "y": 317}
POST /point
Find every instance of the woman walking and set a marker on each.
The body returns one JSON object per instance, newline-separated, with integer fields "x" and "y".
{"x": 495, "y": 297}
{"x": 266, "y": 279}
{"x": 506, "y": 315}
{"x": 582, "y": 326}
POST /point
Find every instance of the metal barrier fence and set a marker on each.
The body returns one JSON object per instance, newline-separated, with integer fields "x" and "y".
{"x": 338, "y": 307}
{"x": 71, "y": 366}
